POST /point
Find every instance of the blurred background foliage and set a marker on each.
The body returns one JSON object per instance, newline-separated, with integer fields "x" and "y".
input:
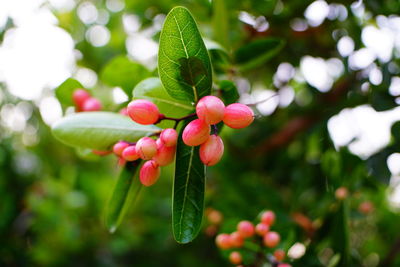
{"x": 335, "y": 68}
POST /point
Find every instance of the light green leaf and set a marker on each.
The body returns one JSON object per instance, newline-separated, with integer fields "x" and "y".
{"x": 183, "y": 62}
{"x": 126, "y": 191}
{"x": 99, "y": 130}
{"x": 65, "y": 90}
{"x": 229, "y": 92}
{"x": 220, "y": 21}
{"x": 188, "y": 193}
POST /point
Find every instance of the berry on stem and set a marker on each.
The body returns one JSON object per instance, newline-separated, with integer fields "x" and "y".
{"x": 235, "y": 258}
{"x": 245, "y": 229}
{"x": 91, "y": 104}
{"x": 268, "y": 217}
{"x": 143, "y": 111}
{"x": 214, "y": 216}
{"x": 271, "y": 239}
{"x": 165, "y": 154}
{"x": 149, "y": 173}
{"x": 196, "y": 133}
{"x": 237, "y": 239}
{"x": 212, "y": 150}
{"x": 262, "y": 229}
{"x": 210, "y": 109}
{"x": 79, "y": 96}
{"x": 130, "y": 154}
{"x": 279, "y": 254}
{"x": 223, "y": 241}
{"x": 119, "y": 147}
{"x": 238, "y": 116}
{"x": 169, "y": 137}
{"x": 146, "y": 148}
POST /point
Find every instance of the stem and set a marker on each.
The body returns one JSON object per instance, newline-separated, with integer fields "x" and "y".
{"x": 261, "y": 101}
{"x": 177, "y": 120}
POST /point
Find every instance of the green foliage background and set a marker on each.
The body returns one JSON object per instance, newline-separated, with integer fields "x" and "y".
{"x": 52, "y": 197}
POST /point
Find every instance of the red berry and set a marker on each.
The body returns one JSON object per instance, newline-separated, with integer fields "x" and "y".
{"x": 341, "y": 193}
{"x": 366, "y": 207}
{"x": 79, "y": 96}
{"x": 130, "y": 154}
{"x": 279, "y": 254}
{"x": 237, "y": 240}
{"x": 245, "y": 229}
{"x": 169, "y": 137}
{"x": 196, "y": 133}
{"x": 262, "y": 229}
{"x": 143, "y": 111}
{"x": 210, "y": 109}
{"x": 271, "y": 239}
{"x": 212, "y": 150}
{"x": 149, "y": 173}
{"x": 284, "y": 265}
{"x": 146, "y": 148}
{"x": 223, "y": 241}
{"x": 238, "y": 116}
{"x": 91, "y": 104}
{"x": 235, "y": 258}
{"x": 268, "y": 217}
{"x": 119, "y": 147}
{"x": 214, "y": 216}
{"x": 165, "y": 154}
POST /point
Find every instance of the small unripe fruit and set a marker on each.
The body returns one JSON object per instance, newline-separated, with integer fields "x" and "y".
{"x": 212, "y": 150}
{"x": 279, "y": 254}
{"x": 169, "y": 137}
{"x": 119, "y": 147}
{"x": 245, "y": 229}
{"x": 130, "y": 154}
{"x": 149, "y": 173}
{"x": 196, "y": 133}
{"x": 165, "y": 155}
{"x": 237, "y": 240}
{"x": 91, "y": 104}
{"x": 79, "y": 96}
{"x": 146, "y": 148}
{"x": 143, "y": 111}
{"x": 238, "y": 116}
{"x": 271, "y": 239}
{"x": 341, "y": 193}
{"x": 223, "y": 241}
{"x": 268, "y": 217}
{"x": 262, "y": 229}
{"x": 214, "y": 216}
{"x": 210, "y": 109}
{"x": 235, "y": 258}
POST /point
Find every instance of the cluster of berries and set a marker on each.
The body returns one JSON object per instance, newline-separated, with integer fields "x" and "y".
{"x": 84, "y": 101}
{"x": 210, "y": 110}
{"x": 246, "y": 230}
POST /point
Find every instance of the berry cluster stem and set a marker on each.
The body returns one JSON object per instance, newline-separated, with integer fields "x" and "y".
{"x": 177, "y": 120}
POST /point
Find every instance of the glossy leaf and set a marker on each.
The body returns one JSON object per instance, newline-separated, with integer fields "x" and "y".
{"x": 258, "y": 52}
{"x": 125, "y": 192}
{"x": 65, "y": 90}
{"x": 183, "y": 62}
{"x": 188, "y": 198}
{"x": 123, "y": 72}
{"x": 99, "y": 130}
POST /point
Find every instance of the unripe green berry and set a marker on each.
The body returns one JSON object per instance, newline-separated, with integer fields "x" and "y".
{"x": 212, "y": 150}
{"x": 149, "y": 173}
{"x": 146, "y": 148}
{"x": 210, "y": 109}
{"x": 238, "y": 116}
{"x": 196, "y": 133}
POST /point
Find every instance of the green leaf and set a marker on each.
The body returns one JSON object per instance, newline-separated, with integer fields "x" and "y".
{"x": 65, "y": 90}
{"x": 123, "y": 72}
{"x": 341, "y": 234}
{"x": 229, "y": 92}
{"x": 188, "y": 192}
{"x": 126, "y": 191}
{"x": 183, "y": 62}
{"x": 258, "y": 52}
{"x": 99, "y": 130}
{"x": 220, "y": 21}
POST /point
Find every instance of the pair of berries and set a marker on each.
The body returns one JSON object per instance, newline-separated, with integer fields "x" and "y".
{"x": 210, "y": 110}
{"x": 84, "y": 101}
{"x": 160, "y": 152}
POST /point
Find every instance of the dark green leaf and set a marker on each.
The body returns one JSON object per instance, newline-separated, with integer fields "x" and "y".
{"x": 229, "y": 92}
{"x": 99, "y": 130}
{"x": 123, "y": 72}
{"x": 341, "y": 235}
{"x": 188, "y": 195}
{"x": 258, "y": 52}
{"x": 183, "y": 62}
{"x": 125, "y": 192}
{"x": 65, "y": 90}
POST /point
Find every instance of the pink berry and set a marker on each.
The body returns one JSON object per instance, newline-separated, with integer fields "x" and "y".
{"x": 268, "y": 217}
{"x": 341, "y": 193}
{"x": 262, "y": 229}
{"x": 91, "y": 104}
{"x": 196, "y": 133}
{"x": 143, "y": 111}
{"x": 119, "y": 147}
{"x": 210, "y": 109}
{"x": 79, "y": 96}
{"x": 149, "y": 173}
{"x": 223, "y": 241}
{"x": 235, "y": 257}
{"x": 212, "y": 150}
{"x": 146, "y": 148}
{"x": 130, "y": 154}
{"x": 245, "y": 229}
{"x": 101, "y": 152}
{"x": 214, "y": 216}
{"x": 124, "y": 111}
{"x": 237, "y": 240}
{"x": 271, "y": 239}
{"x": 284, "y": 265}
{"x": 169, "y": 137}
{"x": 165, "y": 154}
{"x": 238, "y": 116}
{"x": 279, "y": 254}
